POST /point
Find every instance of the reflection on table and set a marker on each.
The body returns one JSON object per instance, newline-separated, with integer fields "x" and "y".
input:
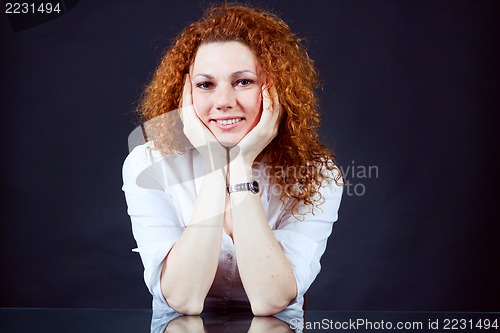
{"x": 244, "y": 322}
{"x": 143, "y": 320}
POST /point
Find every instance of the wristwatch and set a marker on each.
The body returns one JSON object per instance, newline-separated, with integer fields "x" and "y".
{"x": 252, "y": 186}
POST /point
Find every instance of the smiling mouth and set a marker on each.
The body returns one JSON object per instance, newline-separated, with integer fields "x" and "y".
{"x": 228, "y": 121}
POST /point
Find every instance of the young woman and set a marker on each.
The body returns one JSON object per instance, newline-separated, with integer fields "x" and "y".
{"x": 242, "y": 218}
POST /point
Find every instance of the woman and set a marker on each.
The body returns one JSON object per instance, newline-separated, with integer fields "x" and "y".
{"x": 242, "y": 219}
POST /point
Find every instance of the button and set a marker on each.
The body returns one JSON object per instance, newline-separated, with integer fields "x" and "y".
{"x": 228, "y": 280}
{"x": 229, "y": 256}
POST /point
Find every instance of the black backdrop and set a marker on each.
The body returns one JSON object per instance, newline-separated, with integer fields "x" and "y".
{"x": 408, "y": 105}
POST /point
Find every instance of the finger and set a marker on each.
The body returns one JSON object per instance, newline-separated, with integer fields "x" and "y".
{"x": 266, "y": 98}
{"x": 271, "y": 106}
{"x": 275, "y": 99}
{"x": 267, "y": 106}
{"x": 187, "y": 97}
{"x": 277, "y": 109}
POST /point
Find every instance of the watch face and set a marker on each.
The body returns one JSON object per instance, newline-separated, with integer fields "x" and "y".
{"x": 255, "y": 187}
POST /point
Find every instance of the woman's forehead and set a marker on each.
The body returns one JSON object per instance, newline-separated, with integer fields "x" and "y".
{"x": 230, "y": 57}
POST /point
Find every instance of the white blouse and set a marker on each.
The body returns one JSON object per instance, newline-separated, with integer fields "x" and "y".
{"x": 161, "y": 192}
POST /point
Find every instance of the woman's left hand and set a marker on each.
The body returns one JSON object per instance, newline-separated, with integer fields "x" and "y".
{"x": 264, "y": 132}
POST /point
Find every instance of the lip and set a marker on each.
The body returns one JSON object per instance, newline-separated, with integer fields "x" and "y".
{"x": 228, "y": 117}
{"x": 227, "y": 127}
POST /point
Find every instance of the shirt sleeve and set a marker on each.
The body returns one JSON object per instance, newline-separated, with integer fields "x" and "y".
{"x": 303, "y": 238}
{"x": 155, "y": 224}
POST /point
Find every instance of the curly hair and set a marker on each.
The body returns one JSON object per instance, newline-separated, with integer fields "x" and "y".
{"x": 288, "y": 68}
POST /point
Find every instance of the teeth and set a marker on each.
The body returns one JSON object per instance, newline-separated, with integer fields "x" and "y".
{"x": 228, "y": 121}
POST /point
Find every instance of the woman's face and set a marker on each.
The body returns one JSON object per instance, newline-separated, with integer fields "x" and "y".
{"x": 227, "y": 90}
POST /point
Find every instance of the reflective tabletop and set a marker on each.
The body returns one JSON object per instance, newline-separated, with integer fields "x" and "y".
{"x": 144, "y": 320}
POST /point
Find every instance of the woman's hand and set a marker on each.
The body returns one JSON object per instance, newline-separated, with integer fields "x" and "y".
{"x": 213, "y": 153}
{"x": 264, "y": 132}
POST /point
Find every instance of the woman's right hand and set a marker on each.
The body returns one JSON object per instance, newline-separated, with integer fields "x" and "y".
{"x": 213, "y": 153}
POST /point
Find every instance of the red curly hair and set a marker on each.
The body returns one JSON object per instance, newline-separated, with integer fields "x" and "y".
{"x": 288, "y": 68}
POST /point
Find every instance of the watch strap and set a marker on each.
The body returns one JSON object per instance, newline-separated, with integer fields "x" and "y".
{"x": 252, "y": 186}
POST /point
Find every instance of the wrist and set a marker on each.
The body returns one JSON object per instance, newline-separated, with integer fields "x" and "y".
{"x": 252, "y": 186}
{"x": 214, "y": 178}
{"x": 214, "y": 159}
{"x": 239, "y": 171}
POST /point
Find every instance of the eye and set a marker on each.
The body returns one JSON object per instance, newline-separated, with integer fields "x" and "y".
{"x": 204, "y": 85}
{"x": 244, "y": 82}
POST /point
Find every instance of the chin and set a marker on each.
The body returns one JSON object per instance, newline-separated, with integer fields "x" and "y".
{"x": 229, "y": 142}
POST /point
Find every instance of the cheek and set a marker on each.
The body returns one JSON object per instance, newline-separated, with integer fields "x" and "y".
{"x": 253, "y": 104}
{"x": 201, "y": 105}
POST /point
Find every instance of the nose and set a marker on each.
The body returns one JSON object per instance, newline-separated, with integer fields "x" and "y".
{"x": 225, "y": 98}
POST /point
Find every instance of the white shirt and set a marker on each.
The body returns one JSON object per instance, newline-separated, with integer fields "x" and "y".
{"x": 161, "y": 192}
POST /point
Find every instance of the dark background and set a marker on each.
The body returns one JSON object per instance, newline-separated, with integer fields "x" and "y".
{"x": 410, "y": 89}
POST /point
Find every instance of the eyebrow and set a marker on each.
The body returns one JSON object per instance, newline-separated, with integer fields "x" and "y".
{"x": 238, "y": 73}
{"x": 235, "y": 74}
{"x": 204, "y": 75}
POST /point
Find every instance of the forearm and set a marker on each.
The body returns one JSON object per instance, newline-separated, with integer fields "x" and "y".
{"x": 265, "y": 271}
{"x": 190, "y": 266}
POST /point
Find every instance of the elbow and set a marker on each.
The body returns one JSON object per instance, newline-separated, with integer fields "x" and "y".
{"x": 269, "y": 308}
{"x": 270, "y": 305}
{"x": 266, "y": 310}
{"x": 181, "y": 301}
{"x": 190, "y": 307}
